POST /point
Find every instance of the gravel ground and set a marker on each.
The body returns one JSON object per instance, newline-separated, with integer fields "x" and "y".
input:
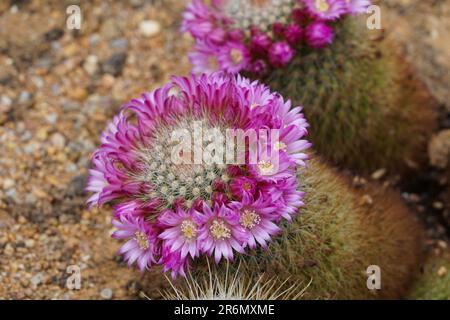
{"x": 58, "y": 89}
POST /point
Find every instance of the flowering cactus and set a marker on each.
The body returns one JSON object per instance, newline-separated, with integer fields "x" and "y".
{"x": 254, "y": 36}
{"x": 170, "y": 208}
{"x": 326, "y": 252}
{"x": 366, "y": 109}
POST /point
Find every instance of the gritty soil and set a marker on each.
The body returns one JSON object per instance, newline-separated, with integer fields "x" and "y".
{"x": 60, "y": 87}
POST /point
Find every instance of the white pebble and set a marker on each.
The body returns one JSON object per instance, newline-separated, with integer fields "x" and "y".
{"x": 149, "y": 28}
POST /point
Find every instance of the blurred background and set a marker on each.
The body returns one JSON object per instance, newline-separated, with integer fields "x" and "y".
{"x": 58, "y": 89}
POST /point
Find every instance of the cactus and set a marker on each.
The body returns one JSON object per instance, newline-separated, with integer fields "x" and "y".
{"x": 365, "y": 108}
{"x": 338, "y": 234}
{"x": 434, "y": 281}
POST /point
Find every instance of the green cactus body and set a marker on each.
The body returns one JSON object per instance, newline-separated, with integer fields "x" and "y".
{"x": 365, "y": 109}
{"x": 434, "y": 281}
{"x": 339, "y": 233}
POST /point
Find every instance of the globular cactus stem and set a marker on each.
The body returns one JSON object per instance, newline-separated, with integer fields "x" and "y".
{"x": 339, "y": 233}
{"x": 366, "y": 109}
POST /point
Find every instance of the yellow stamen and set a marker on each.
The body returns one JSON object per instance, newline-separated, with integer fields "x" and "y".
{"x": 249, "y": 219}
{"x": 247, "y": 186}
{"x": 322, "y": 5}
{"x": 219, "y": 230}
{"x": 236, "y": 56}
{"x": 142, "y": 240}
{"x": 189, "y": 229}
{"x": 265, "y": 167}
{"x": 280, "y": 146}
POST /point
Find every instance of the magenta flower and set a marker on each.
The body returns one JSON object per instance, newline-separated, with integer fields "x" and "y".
{"x": 278, "y": 29}
{"x": 203, "y": 22}
{"x": 285, "y": 196}
{"x": 357, "y": 6}
{"x": 280, "y": 54}
{"x": 293, "y": 34}
{"x": 141, "y": 240}
{"x": 171, "y": 210}
{"x": 204, "y": 58}
{"x": 173, "y": 262}
{"x": 233, "y": 57}
{"x": 326, "y": 9}
{"x": 259, "y": 67}
{"x": 242, "y": 186}
{"x": 319, "y": 34}
{"x": 222, "y": 233}
{"x": 260, "y": 43}
{"x": 180, "y": 231}
{"x": 299, "y": 15}
{"x": 257, "y": 217}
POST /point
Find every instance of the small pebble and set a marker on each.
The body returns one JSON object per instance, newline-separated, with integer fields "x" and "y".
{"x": 378, "y": 174}
{"x": 149, "y": 28}
{"x": 115, "y": 64}
{"x": 8, "y": 183}
{"x": 29, "y": 243}
{"x": 37, "y": 279}
{"x": 106, "y": 293}
{"x": 91, "y": 65}
{"x": 58, "y": 140}
{"x": 442, "y": 271}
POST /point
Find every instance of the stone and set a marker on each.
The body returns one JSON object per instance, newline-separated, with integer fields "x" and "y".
{"x": 54, "y": 34}
{"x": 8, "y": 183}
{"x": 149, "y": 28}
{"x": 91, "y": 65}
{"x": 439, "y": 149}
{"x": 378, "y": 174}
{"x": 58, "y": 140}
{"x": 115, "y": 64}
{"x": 37, "y": 279}
{"x": 106, "y": 293}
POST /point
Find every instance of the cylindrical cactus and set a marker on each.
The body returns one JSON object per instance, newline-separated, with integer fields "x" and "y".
{"x": 365, "y": 108}
{"x": 339, "y": 233}
{"x": 433, "y": 283}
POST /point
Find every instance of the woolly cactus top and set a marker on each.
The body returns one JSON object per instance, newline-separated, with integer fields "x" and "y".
{"x": 176, "y": 193}
{"x": 256, "y": 35}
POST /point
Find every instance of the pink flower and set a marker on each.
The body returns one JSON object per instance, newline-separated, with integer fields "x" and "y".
{"x": 273, "y": 166}
{"x": 299, "y": 15}
{"x": 278, "y": 29}
{"x": 326, "y": 9}
{"x": 180, "y": 231}
{"x": 284, "y": 195}
{"x": 221, "y": 233}
{"x": 173, "y": 262}
{"x": 260, "y": 43}
{"x": 141, "y": 245}
{"x": 204, "y": 58}
{"x": 319, "y": 35}
{"x": 280, "y": 54}
{"x": 233, "y": 57}
{"x": 259, "y": 68}
{"x": 203, "y": 22}
{"x": 358, "y": 6}
{"x": 293, "y": 34}
{"x": 256, "y": 217}
{"x": 241, "y": 186}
